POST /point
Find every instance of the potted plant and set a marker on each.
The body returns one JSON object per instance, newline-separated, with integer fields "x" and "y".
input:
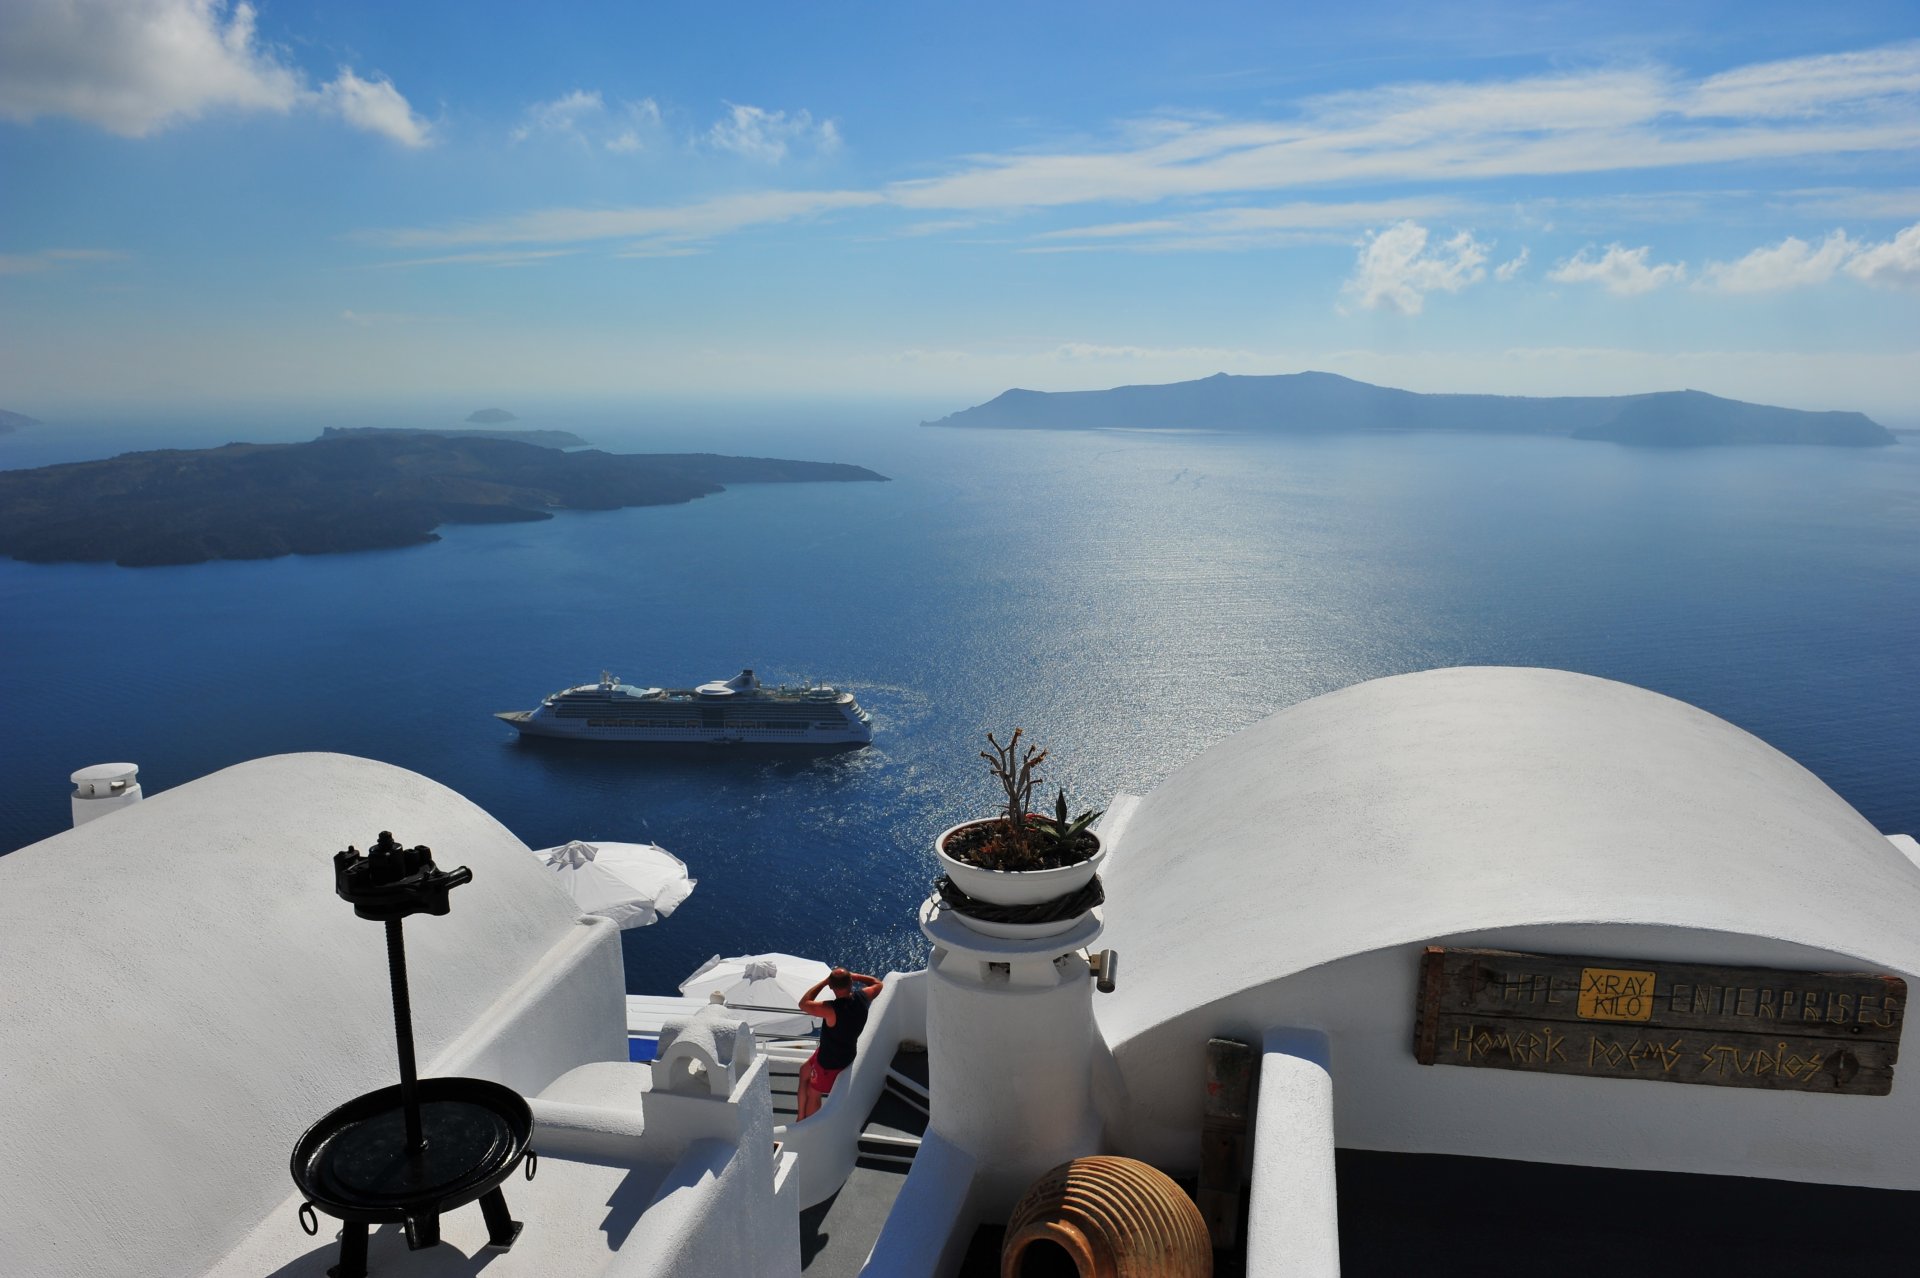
{"x": 1019, "y": 856}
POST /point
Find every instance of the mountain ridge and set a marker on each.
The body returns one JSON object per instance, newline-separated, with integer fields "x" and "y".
{"x": 1327, "y": 403}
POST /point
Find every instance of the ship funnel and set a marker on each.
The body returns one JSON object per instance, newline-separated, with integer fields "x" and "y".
{"x": 104, "y": 788}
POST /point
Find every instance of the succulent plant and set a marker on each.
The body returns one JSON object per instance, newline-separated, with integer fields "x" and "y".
{"x": 1020, "y": 838}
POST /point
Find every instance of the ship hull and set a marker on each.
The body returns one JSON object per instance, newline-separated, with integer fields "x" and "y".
{"x": 531, "y": 724}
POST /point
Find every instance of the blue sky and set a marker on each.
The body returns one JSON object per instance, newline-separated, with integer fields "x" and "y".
{"x": 204, "y": 202}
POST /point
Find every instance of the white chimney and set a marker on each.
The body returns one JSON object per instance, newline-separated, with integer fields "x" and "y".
{"x": 1012, "y": 1039}
{"x": 104, "y": 788}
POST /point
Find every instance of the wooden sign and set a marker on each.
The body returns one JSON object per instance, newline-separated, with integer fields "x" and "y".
{"x": 1833, "y": 1032}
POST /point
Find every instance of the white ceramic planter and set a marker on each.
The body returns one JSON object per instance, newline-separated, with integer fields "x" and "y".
{"x": 1015, "y": 887}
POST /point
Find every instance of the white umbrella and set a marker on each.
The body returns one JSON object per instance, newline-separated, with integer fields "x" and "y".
{"x": 633, "y": 884}
{"x": 759, "y": 983}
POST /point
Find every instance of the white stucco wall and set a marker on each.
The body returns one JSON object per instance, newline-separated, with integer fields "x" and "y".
{"x": 1384, "y": 1099}
{"x": 1290, "y": 876}
{"x": 186, "y": 995}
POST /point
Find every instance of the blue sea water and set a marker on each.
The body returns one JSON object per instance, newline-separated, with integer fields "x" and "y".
{"x": 1128, "y": 598}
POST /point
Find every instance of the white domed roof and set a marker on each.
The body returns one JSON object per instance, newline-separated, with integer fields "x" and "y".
{"x": 1460, "y": 800}
{"x": 186, "y": 994}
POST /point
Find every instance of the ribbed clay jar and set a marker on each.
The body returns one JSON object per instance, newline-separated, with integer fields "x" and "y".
{"x": 1113, "y": 1218}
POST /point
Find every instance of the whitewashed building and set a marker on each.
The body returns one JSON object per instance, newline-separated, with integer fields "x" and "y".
{"x": 1348, "y": 888}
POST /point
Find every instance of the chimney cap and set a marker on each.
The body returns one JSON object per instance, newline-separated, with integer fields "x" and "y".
{"x": 106, "y": 772}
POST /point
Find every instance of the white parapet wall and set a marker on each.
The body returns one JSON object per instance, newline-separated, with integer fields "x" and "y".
{"x": 931, "y": 1224}
{"x": 719, "y": 1207}
{"x": 1293, "y": 1223}
{"x": 826, "y": 1145}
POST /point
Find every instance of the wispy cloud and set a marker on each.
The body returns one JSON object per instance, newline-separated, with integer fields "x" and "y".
{"x": 1508, "y": 269}
{"x": 53, "y": 259}
{"x": 670, "y": 224}
{"x": 1248, "y": 227}
{"x": 1172, "y": 171}
{"x": 1808, "y": 86}
{"x": 1397, "y": 269}
{"x": 1571, "y": 122}
{"x": 1853, "y": 202}
{"x": 561, "y": 115}
{"x": 135, "y": 67}
{"x": 484, "y": 257}
{"x": 768, "y": 136}
{"x": 583, "y": 117}
{"x": 1620, "y": 270}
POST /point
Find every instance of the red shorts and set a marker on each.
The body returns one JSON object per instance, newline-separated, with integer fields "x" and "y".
{"x": 820, "y": 1080}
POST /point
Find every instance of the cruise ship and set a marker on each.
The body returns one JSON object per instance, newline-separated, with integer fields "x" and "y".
{"x": 736, "y": 711}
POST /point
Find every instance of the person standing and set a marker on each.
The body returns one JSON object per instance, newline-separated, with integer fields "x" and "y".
{"x": 843, "y": 1017}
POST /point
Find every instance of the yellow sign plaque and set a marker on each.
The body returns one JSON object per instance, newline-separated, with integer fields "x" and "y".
{"x": 1615, "y": 994}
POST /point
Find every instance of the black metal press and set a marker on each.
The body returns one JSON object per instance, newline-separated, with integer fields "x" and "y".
{"x": 409, "y": 1153}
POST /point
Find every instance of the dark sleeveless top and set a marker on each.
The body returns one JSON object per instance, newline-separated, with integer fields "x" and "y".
{"x": 840, "y": 1040}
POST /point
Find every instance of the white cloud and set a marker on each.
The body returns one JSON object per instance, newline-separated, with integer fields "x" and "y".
{"x": 1792, "y": 263}
{"x": 1396, "y": 269}
{"x": 376, "y": 106}
{"x": 1620, "y": 270}
{"x": 1895, "y": 264}
{"x": 135, "y": 67}
{"x": 767, "y": 136}
{"x": 1512, "y": 266}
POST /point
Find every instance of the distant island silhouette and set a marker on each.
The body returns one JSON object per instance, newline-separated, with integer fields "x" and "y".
{"x": 544, "y": 438}
{"x": 347, "y": 491}
{"x": 1326, "y": 403}
{"x": 491, "y": 416}
{"x": 10, "y": 422}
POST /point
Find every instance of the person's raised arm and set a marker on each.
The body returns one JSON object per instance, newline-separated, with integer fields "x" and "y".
{"x": 810, "y": 1004}
{"x": 873, "y": 984}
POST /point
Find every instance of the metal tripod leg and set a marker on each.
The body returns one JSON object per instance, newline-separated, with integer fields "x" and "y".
{"x": 353, "y": 1251}
{"x": 502, "y": 1229}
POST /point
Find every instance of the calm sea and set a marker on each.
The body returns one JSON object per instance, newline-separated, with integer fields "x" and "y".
{"x": 1129, "y": 599}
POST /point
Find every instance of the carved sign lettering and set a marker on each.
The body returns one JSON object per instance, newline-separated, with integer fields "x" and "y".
{"x": 1833, "y": 1032}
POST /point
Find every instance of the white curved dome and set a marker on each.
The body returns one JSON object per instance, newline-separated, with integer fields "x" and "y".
{"x": 1477, "y": 798}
